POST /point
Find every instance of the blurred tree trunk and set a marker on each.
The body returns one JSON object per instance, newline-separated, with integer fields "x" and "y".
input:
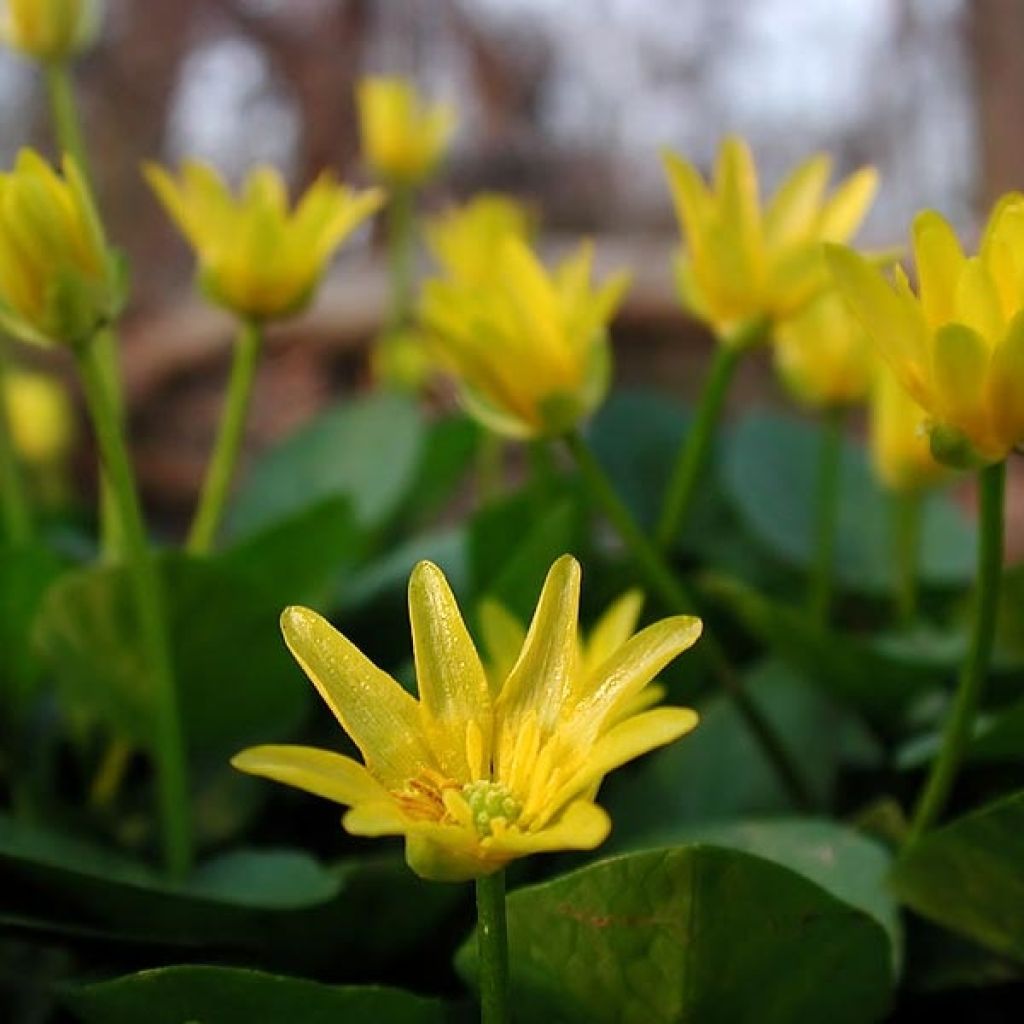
{"x": 996, "y": 30}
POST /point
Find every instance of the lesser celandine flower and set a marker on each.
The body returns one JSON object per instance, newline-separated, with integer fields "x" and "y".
{"x": 824, "y": 355}
{"x": 58, "y": 281}
{"x": 465, "y": 240}
{"x": 475, "y": 773}
{"x": 50, "y": 31}
{"x": 957, "y": 344}
{"x": 900, "y": 450}
{"x": 404, "y": 138}
{"x": 528, "y": 347}
{"x": 743, "y": 264}
{"x": 40, "y": 418}
{"x": 256, "y": 257}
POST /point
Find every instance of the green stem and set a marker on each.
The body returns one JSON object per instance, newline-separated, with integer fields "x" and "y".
{"x": 147, "y": 591}
{"x": 826, "y": 512}
{"x": 66, "y": 124}
{"x": 221, "y": 469}
{"x": 695, "y": 450}
{"x": 492, "y": 945}
{"x": 401, "y": 214}
{"x": 489, "y": 467}
{"x": 907, "y": 515}
{"x": 960, "y": 723}
{"x": 17, "y": 512}
{"x": 660, "y": 578}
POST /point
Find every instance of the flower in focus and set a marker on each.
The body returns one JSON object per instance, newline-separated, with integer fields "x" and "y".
{"x": 743, "y": 266}
{"x": 957, "y": 344}
{"x": 404, "y": 139}
{"x": 475, "y": 773}
{"x": 40, "y": 418}
{"x": 899, "y": 438}
{"x": 50, "y": 30}
{"x": 466, "y": 239}
{"x": 823, "y": 354}
{"x": 256, "y": 257}
{"x": 58, "y": 281}
{"x": 529, "y": 348}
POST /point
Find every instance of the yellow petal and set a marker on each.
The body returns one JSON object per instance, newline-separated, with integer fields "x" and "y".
{"x": 693, "y": 201}
{"x": 582, "y": 826}
{"x": 977, "y": 302}
{"x": 612, "y": 630}
{"x": 939, "y": 260}
{"x": 959, "y": 368}
{"x": 319, "y": 772}
{"x": 1006, "y": 384}
{"x": 379, "y": 818}
{"x": 844, "y": 211}
{"x": 795, "y": 207}
{"x": 738, "y": 204}
{"x": 452, "y": 684}
{"x": 382, "y": 719}
{"x": 503, "y": 636}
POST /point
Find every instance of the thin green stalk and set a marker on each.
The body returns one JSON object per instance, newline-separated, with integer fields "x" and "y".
{"x": 696, "y": 448}
{"x": 401, "y": 250}
{"x": 960, "y": 722}
{"x": 17, "y": 511}
{"x": 66, "y": 124}
{"x": 172, "y": 784}
{"x": 830, "y": 465}
{"x": 492, "y": 945}
{"x": 221, "y": 470}
{"x": 660, "y": 578}
{"x": 907, "y": 523}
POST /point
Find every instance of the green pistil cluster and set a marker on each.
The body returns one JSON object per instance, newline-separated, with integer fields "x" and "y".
{"x": 490, "y": 800}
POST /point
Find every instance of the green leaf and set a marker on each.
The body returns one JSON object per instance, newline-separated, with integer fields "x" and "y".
{"x": 693, "y": 933}
{"x": 236, "y": 682}
{"x": 230, "y": 995}
{"x": 967, "y": 876}
{"x": 770, "y": 475}
{"x": 851, "y": 669}
{"x": 334, "y": 457}
{"x": 718, "y": 772}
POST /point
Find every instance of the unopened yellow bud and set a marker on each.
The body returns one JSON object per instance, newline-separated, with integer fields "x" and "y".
{"x": 40, "y": 418}
{"x": 256, "y": 257}
{"x": 51, "y": 31}
{"x": 58, "y": 281}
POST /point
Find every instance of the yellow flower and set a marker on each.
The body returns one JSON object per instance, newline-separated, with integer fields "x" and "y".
{"x": 529, "y": 348}
{"x": 403, "y": 138}
{"x": 743, "y": 266}
{"x": 58, "y": 281}
{"x": 50, "y": 30}
{"x": 40, "y": 418}
{"x": 823, "y": 354}
{"x": 957, "y": 345}
{"x": 465, "y": 240}
{"x": 899, "y": 437}
{"x": 476, "y": 774}
{"x": 256, "y": 257}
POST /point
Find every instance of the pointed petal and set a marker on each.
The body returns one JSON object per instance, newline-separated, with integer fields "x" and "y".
{"x": 739, "y": 207}
{"x": 959, "y": 369}
{"x": 452, "y": 684}
{"x": 542, "y": 677}
{"x": 320, "y": 772}
{"x": 794, "y": 208}
{"x": 977, "y": 302}
{"x": 844, "y": 211}
{"x": 939, "y": 260}
{"x": 503, "y": 636}
{"x": 612, "y": 630}
{"x": 380, "y": 818}
{"x": 1006, "y": 384}
{"x": 382, "y": 719}
{"x": 691, "y": 198}
{"x": 582, "y": 826}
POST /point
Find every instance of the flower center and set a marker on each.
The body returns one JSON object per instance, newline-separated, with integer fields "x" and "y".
{"x": 489, "y": 801}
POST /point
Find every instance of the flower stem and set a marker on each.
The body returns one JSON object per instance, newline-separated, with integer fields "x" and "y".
{"x": 907, "y": 513}
{"x": 695, "y": 450}
{"x": 959, "y": 724}
{"x": 401, "y": 235}
{"x": 221, "y": 469}
{"x": 147, "y": 591}
{"x": 826, "y": 511}
{"x": 66, "y": 124}
{"x": 17, "y": 512}
{"x": 674, "y": 595}
{"x": 492, "y": 945}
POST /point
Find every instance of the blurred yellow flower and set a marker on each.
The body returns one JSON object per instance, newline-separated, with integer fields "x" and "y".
{"x": 957, "y": 345}
{"x": 466, "y": 239}
{"x": 899, "y": 437}
{"x": 40, "y": 417}
{"x": 824, "y": 355}
{"x": 49, "y": 30}
{"x": 58, "y": 281}
{"x": 529, "y": 348}
{"x": 473, "y": 774}
{"x": 743, "y": 266}
{"x": 256, "y": 257}
{"x": 404, "y": 139}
